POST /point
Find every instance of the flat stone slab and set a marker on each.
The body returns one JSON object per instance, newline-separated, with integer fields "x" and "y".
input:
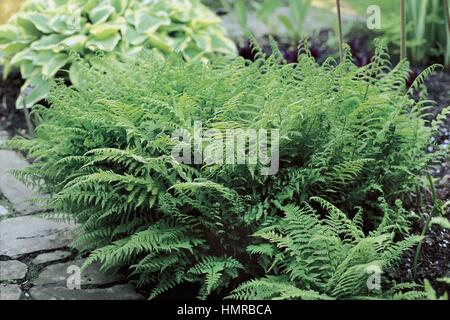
{"x": 59, "y": 275}
{"x": 51, "y": 256}
{"x": 10, "y": 292}
{"x": 25, "y": 235}
{"x": 118, "y": 292}
{"x": 3, "y": 211}
{"x": 15, "y": 191}
{"x": 4, "y": 136}
{"x": 12, "y": 270}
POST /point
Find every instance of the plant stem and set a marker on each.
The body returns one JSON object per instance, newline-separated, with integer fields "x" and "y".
{"x": 419, "y": 246}
{"x": 403, "y": 30}
{"x": 341, "y": 36}
{"x": 426, "y": 227}
{"x": 28, "y": 120}
{"x": 447, "y": 14}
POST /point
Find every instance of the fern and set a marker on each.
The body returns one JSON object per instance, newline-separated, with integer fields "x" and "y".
{"x": 103, "y": 153}
{"x": 326, "y": 258}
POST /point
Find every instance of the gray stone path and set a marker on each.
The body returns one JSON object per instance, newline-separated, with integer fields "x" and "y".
{"x": 35, "y": 259}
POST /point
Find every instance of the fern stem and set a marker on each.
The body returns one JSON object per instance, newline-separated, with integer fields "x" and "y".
{"x": 426, "y": 226}
{"x": 403, "y": 30}
{"x": 341, "y": 36}
{"x": 419, "y": 246}
{"x": 447, "y": 14}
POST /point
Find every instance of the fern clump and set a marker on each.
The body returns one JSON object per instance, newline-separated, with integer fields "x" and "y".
{"x": 310, "y": 258}
{"x": 351, "y": 136}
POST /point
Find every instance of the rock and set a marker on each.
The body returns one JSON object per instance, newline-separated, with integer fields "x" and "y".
{"x": 58, "y": 275}
{"x": 3, "y": 211}
{"x": 51, "y": 256}
{"x": 118, "y": 292}
{"x": 12, "y": 270}
{"x": 24, "y": 235}
{"x": 10, "y": 292}
{"x": 4, "y": 136}
{"x": 15, "y": 191}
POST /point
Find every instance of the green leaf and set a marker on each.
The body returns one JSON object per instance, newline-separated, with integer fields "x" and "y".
{"x": 76, "y": 43}
{"x": 120, "y": 5}
{"x": 431, "y": 293}
{"x": 148, "y": 23}
{"x": 76, "y": 75}
{"x": 106, "y": 44}
{"x": 26, "y": 69}
{"x": 286, "y": 22}
{"x": 104, "y": 31}
{"x": 268, "y": 8}
{"x": 101, "y": 13}
{"x": 13, "y": 47}
{"x": 36, "y": 89}
{"x": 47, "y": 42}
{"x": 56, "y": 62}
{"x": 299, "y": 10}
{"x": 6, "y": 68}
{"x": 159, "y": 41}
{"x": 9, "y": 33}
{"x": 241, "y": 12}
{"x": 27, "y": 25}
{"x": 441, "y": 221}
{"x": 43, "y": 57}
{"x": 25, "y": 54}
{"x": 41, "y": 22}
{"x": 222, "y": 44}
{"x": 133, "y": 37}
{"x": 203, "y": 41}
{"x": 66, "y": 24}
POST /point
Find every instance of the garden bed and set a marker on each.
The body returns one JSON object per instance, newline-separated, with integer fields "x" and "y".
{"x": 11, "y": 119}
{"x": 198, "y": 231}
{"x": 434, "y": 260}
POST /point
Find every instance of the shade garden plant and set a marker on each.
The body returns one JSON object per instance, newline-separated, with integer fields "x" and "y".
{"x": 352, "y": 150}
{"x": 41, "y": 38}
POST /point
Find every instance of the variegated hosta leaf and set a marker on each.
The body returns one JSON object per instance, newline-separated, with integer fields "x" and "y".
{"x": 41, "y": 39}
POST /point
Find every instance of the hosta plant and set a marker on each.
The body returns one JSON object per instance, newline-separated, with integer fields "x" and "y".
{"x": 352, "y": 136}
{"x": 39, "y": 38}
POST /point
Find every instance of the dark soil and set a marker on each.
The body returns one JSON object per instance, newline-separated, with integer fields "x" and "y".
{"x": 434, "y": 261}
{"x": 11, "y": 119}
{"x": 439, "y": 90}
{"x": 360, "y": 43}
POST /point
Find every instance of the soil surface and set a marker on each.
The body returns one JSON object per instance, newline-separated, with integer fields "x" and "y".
{"x": 11, "y": 119}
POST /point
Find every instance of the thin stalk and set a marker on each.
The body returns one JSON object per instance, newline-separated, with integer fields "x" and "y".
{"x": 403, "y": 30}
{"x": 341, "y": 35}
{"x": 447, "y": 14}
{"x": 419, "y": 246}
{"x": 28, "y": 119}
{"x": 426, "y": 227}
